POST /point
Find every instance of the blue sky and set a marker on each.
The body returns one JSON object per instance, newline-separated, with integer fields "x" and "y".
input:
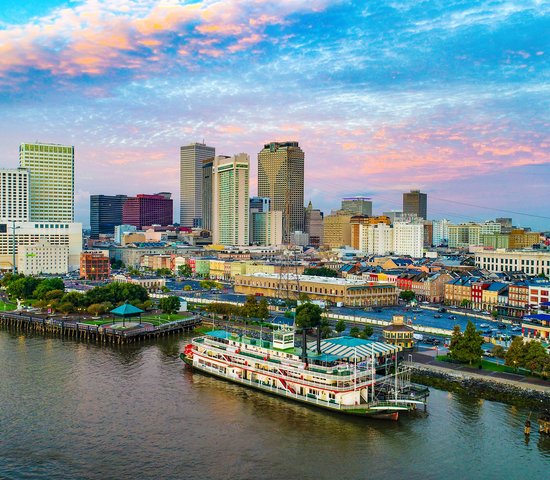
{"x": 448, "y": 96}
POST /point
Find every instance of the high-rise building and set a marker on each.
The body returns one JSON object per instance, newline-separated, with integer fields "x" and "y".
{"x": 357, "y": 222}
{"x": 416, "y": 203}
{"x": 144, "y": 210}
{"x": 51, "y": 169}
{"x": 357, "y": 205}
{"x": 230, "y": 200}
{"x": 105, "y": 213}
{"x": 281, "y": 178}
{"x": 313, "y": 225}
{"x": 207, "y": 194}
{"x": 440, "y": 232}
{"x": 260, "y": 204}
{"x": 14, "y": 195}
{"x": 267, "y": 228}
{"x": 337, "y": 229}
{"x": 191, "y": 180}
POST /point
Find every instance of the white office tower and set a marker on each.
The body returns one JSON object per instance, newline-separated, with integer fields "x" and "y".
{"x": 51, "y": 171}
{"x": 376, "y": 239}
{"x": 230, "y": 200}
{"x": 408, "y": 239}
{"x": 191, "y": 182}
{"x": 14, "y": 195}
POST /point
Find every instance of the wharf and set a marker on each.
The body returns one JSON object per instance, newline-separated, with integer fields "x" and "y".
{"x": 24, "y": 322}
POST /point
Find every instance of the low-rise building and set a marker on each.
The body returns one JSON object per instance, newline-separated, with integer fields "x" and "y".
{"x": 531, "y": 262}
{"x": 335, "y": 290}
{"x": 95, "y": 265}
{"x": 43, "y": 258}
{"x": 398, "y": 333}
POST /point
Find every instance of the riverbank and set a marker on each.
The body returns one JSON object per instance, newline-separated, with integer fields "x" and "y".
{"x": 502, "y": 387}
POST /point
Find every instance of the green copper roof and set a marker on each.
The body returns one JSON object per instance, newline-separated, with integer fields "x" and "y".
{"x": 126, "y": 310}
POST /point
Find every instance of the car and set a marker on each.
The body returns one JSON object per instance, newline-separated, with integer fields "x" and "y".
{"x": 484, "y": 325}
{"x": 437, "y": 315}
{"x": 502, "y": 326}
{"x": 487, "y": 353}
{"x": 485, "y": 312}
{"x": 516, "y": 328}
{"x": 442, "y": 310}
{"x": 452, "y": 317}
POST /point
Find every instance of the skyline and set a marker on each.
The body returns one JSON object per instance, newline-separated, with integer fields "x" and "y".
{"x": 452, "y": 100}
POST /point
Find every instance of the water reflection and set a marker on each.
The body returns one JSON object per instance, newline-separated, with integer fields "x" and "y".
{"x": 94, "y": 411}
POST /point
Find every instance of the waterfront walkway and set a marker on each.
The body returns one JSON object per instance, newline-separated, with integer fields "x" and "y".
{"x": 427, "y": 359}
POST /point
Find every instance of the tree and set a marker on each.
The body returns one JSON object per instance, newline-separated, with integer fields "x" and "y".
{"x": 466, "y": 347}
{"x": 117, "y": 264}
{"x": 96, "y": 309}
{"x": 515, "y": 355}
{"x": 407, "y": 295}
{"x": 66, "y": 308}
{"x": 52, "y": 295}
{"x": 321, "y": 272}
{"x": 185, "y": 270}
{"x": 250, "y": 307}
{"x": 340, "y": 326}
{"x": 535, "y": 356}
{"x": 170, "y": 305}
{"x": 367, "y": 332}
{"x": 263, "y": 309}
{"x": 494, "y": 314}
{"x": 355, "y": 332}
{"x": 187, "y": 288}
{"x": 498, "y": 351}
{"x": 23, "y": 287}
{"x": 465, "y": 303}
{"x": 47, "y": 285}
{"x": 164, "y": 272}
{"x": 456, "y": 340}
{"x": 308, "y": 315}
{"x": 303, "y": 297}
{"x": 164, "y": 289}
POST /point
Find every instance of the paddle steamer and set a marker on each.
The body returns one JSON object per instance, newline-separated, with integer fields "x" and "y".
{"x": 343, "y": 374}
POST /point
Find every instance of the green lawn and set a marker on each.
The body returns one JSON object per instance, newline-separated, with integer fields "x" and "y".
{"x": 7, "y": 306}
{"x": 487, "y": 365}
{"x": 161, "y": 319}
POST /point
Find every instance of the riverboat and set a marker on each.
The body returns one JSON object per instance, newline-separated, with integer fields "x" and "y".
{"x": 342, "y": 374}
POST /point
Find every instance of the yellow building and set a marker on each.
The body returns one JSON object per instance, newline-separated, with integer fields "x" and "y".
{"x": 519, "y": 239}
{"x": 337, "y": 229}
{"x": 349, "y": 292}
{"x": 217, "y": 269}
{"x": 397, "y": 333}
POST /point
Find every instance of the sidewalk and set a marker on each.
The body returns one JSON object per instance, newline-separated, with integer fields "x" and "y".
{"x": 427, "y": 359}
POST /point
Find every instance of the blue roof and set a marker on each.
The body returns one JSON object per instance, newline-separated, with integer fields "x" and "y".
{"x": 281, "y": 320}
{"x": 496, "y": 286}
{"x": 219, "y": 334}
{"x": 538, "y": 316}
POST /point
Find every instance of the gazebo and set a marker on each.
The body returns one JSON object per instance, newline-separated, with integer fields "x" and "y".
{"x": 126, "y": 310}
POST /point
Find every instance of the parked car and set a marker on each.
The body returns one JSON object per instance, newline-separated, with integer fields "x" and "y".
{"x": 437, "y": 315}
{"x": 453, "y": 317}
{"x": 442, "y": 310}
{"x": 485, "y": 312}
{"x": 502, "y": 326}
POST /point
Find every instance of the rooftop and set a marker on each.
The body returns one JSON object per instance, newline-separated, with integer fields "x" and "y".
{"x": 307, "y": 278}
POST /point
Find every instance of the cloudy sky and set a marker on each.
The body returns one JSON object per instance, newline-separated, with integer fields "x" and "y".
{"x": 449, "y": 96}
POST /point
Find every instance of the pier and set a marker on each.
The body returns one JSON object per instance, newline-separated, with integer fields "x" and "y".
{"x": 22, "y": 321}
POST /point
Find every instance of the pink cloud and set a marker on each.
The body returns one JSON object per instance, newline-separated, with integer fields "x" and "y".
{"x": 99, "y": 35}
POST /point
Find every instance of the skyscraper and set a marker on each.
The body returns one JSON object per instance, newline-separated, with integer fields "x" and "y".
{"x": 207, "y": 194}
{"x": 105, "y": 213}
{"x": 191, "y": 180}
{"x": 230, "y": 201}
{"x": 281, "y": 178}
{"x": 416, "y": 203}
{"x": 145, "y": 210}
{"x": 51, "y": 169}
{"x": 313, "y": 225}
{"x": 357, "y": 205}
{"x": 14, "y": 195}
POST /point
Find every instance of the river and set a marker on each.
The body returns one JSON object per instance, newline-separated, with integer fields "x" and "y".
{"x": 72, "y": 410}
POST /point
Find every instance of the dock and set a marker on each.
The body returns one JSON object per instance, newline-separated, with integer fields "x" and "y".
{"x": 23, "y": 322}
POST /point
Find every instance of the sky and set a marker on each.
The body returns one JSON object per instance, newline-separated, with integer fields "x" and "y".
{"x": 450, "y": 96}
